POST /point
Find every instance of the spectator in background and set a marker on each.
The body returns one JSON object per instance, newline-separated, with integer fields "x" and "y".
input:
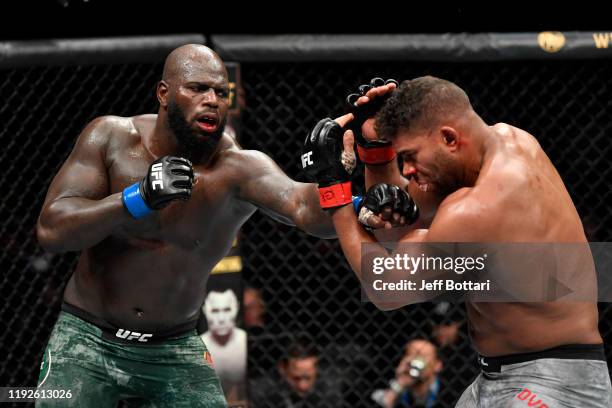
{"x": 299, "y": 384}
{"x": 226, "y": 342}
{"x": 447, "y": 320}
{"x": 300, "y": 370}
{"x": 416, "y": 382}
{"x": 449, "y": 332}
{"x": 254, "y": 309}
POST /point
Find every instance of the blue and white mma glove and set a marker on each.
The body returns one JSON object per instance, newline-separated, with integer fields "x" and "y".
{"x": 168, "y": 178}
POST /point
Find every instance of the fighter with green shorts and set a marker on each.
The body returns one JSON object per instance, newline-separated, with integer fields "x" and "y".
{"x": 85, "y": 359}
{"x": 154, "y": 202}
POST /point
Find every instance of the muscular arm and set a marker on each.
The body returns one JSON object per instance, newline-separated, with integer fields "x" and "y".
{"x": 78, "y": 211}
{"x": 266, "y": 186}
{"x": 450, "y": 224}
{"x": 352, "y": 236}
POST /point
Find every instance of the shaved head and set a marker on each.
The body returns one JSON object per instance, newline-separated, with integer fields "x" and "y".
{"x": 187, "y": 61}
{"x": 194, "y": 99}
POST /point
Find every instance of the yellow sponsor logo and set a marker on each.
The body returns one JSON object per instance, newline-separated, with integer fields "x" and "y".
{"x": 602, "y": 39}
{"x": 551, "y": 41}
{"x": 228, "y": 264}
{"x": 232, "y": 94}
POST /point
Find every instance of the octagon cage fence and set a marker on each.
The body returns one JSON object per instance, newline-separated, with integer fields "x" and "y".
{"x": 287, "y": 83}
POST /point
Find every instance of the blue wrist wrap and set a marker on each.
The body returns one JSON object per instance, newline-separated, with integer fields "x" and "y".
{"x": 356, "y": 203}
{"x": 133, "y": 202}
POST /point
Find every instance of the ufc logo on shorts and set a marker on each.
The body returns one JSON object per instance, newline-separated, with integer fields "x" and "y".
{"x": 130, "y": 335}
{"x": 156, "y": 173}
{"x": 306, "y": 160}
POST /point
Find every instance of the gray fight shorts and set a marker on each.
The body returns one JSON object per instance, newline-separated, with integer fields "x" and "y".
{"x": 572, "y": 376}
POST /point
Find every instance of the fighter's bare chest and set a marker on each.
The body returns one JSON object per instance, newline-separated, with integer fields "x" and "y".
{"x": 185, "y": 223}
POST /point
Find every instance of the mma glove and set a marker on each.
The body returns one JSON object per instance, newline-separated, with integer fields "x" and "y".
{"x": 370, "y": 151}
{"x": 383, "y": 195}
{"x": 168, "y": 178}
{"x": 324, "y": 161}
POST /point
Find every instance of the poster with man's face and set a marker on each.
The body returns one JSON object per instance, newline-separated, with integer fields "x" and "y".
{"x": 220, "y": 327}
{"x": 221, "y": 311}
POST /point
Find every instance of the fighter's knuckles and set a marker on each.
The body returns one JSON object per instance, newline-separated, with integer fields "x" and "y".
{"x": 377, "y": 81}
{"x": 375, "y": 222}
{"x": 351, "y": 100}
{"x": 363, "y": 89}
{"x": 344, "y": 119}
{"x": 392, "y": 82}
{"x": 386, "y": 213}
{"x": 348, "y": 140}
{"x": 362, "y": 100}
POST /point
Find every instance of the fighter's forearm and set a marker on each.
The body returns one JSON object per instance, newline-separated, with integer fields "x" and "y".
{"x": 309, "y": 215}
{"x": 352, "y": 236}
{"x": 75, "y": 223}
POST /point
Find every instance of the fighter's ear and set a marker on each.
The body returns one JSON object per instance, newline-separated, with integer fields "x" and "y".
{"x": 450, "y": 136}
{"x": 162, "y": 93}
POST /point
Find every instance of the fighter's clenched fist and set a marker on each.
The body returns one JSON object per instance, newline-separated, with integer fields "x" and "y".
{"x": 168, "y": 178}
{"x": 326, "y": 161}
{"x": 385, "y": 206}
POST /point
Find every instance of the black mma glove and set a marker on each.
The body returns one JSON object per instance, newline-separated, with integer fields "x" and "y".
{"x": 383, "y": 195}
{"x": 325, "y": 162}
{"x": 168, "y": 178}
{"x": 370, "y": 151}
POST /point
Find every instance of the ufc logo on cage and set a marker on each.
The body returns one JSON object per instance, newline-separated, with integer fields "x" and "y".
{"x": 306, "y": 160}
{"x": 130, "y": 335}
{"x": 156, "y": 173}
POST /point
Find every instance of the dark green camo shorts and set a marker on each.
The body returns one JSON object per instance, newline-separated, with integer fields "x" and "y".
{"x": 177, "y": 372}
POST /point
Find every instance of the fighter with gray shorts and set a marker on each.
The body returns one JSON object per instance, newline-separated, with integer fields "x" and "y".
{"x": 477, "y": 182}
{"x": 567, "y": 376}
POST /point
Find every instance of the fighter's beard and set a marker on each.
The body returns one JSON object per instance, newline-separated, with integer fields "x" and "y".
{"x": 446, "y": 180}
{"x": 193, "y": 145}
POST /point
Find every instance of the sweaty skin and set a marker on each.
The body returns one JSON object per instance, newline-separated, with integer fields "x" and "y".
{"x": 150, "y": 274}
{"x": 514, "y": 194}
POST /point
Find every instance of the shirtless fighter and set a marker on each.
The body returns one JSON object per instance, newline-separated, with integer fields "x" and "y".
{"x": 485, "y": 178}
{"x": 127, "y": 326}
